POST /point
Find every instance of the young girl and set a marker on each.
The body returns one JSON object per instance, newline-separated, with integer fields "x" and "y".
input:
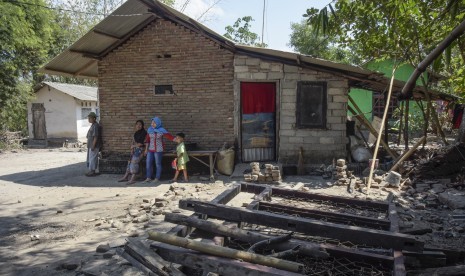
{"x": 181, "y": 159}
{"x": 137, "y": 150}
{"x": 154, "y": 148}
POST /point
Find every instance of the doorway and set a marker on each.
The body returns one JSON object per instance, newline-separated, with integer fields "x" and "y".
{"x": 38, "y": 121}
{"x": 258, "y": 121}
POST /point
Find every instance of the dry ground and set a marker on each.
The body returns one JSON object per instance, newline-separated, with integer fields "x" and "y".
{"x": 45, "y": 193}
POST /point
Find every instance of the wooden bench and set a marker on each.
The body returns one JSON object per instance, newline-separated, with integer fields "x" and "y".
{"x": 200, "y": 153}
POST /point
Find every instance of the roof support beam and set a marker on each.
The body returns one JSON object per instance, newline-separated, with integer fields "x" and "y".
{"x": 64, "y": 73}
{"x": 85, "y": 67}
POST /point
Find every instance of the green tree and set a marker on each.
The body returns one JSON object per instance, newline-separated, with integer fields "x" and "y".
{"x": 304, "y": 41}
{"x": 25, "y": 36}
{"x": 240, "y": 32}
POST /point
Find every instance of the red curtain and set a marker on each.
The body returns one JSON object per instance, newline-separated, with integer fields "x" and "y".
{"x": 258, "y": 97}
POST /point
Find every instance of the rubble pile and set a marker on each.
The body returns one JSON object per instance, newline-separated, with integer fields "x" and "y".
{"x": 271, "y": 174}
{"x": 434, "y": 210}
{"x": 443, "y": 162}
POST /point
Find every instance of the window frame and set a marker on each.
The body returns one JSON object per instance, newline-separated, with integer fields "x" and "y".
{"x": 324, "y": 110}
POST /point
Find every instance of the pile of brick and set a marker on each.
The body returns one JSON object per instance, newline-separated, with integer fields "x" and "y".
{"x": 341, "y": 174}
{"x": 271, "y": 174}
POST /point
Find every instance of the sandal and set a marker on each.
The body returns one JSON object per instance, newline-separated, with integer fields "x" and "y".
{"x": 147, "y": 180}
{"x": 123, "y": 180}
{"x": 91, "y": 174}
{"x": 131, "y": 182}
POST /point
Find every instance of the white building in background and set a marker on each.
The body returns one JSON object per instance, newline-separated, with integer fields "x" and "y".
{"x": 59, "y": 111}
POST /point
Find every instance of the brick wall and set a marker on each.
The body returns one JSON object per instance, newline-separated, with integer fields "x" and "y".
{"x": 320, "y": 145}
{"x": 164, "y": 53}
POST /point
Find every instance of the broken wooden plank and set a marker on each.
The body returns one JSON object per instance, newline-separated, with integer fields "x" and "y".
{"x": 135, "y": 263}
{"x": 313, "y": 227}
{"x": 226, "y": 252}
{"x": 150, "y": 259}
{"x": 311, "y": 196}
{"x": 265, "y": 194}
{"x": 327, "y": 216}
{"x": 220, "y": 265}
{"x": 227, "y": 195}
{"x": 223, "y": 198}
{"x": 307, "y": 248}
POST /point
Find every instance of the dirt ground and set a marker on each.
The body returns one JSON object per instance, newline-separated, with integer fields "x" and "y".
{"x": 53, "y": 217}
{"x": 52, "y": 214}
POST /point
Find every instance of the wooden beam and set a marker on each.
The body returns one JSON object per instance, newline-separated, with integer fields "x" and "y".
{"x": 265, "y": 194}
{"x": 407, "y": 154}
{"x": 223, "y": 198}
{"x": 220, "y": 251}
{"x": 220, "y": 265}
{"x": 85, "y": 67}
{"x": 313, "y": 250}
{"x": 307, "y": 248}
{"x": 335, "y": 217}
{"x": 311, "y": 196}
{"x": 312, "y": 227}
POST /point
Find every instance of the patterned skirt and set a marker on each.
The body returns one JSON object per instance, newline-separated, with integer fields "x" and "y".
{"x": 133, "y": 165}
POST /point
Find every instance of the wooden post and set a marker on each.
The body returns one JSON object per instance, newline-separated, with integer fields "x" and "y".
{"x": 226, "y": 252}
{"x": 407, "y": 107}
{"x": 386, "y": 109}
{"x": 408, "y": 153}
{"x": 368, "y": 125}
{"x": 400, "y": 122}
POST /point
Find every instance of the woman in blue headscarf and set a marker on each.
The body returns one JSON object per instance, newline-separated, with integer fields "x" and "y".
{"x": 154, "y": 148}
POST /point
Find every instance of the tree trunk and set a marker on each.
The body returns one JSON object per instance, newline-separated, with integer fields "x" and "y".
{"x": 410, "y": 84}
{"x": 406, "y": 113}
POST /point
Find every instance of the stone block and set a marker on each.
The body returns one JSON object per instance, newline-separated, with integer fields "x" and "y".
{"x": 240, "y": 60}
{"x": 289, "y": 84}
{"x": 292, "y": 76}
{"x": 259, "y": 76}
{"x": 275, "y": 75}
{"x": 265, "y": 65}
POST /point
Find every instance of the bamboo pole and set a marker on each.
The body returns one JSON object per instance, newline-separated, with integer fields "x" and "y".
{"x": 407, "y": 154}
{"x": 367, "y": 124}
{"x": 400, "y": 122}
{"x": 386, "y": 109}
{"x": 226, "y": 252}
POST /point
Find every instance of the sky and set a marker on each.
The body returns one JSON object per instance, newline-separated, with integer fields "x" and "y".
{"x": 279, "y": 14}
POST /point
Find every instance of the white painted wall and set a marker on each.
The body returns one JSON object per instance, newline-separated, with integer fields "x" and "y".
{"x": 62, "y": 114}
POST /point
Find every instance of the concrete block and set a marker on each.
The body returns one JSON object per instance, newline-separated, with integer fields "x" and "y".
{"x": 308, "y": 77}
{"x": 259, "y": 76}
{"x": 246, "y": 76}
{"x": 287, "y": 119}
{"x": 276, "y": 67}
{"x": 339, "y": 99}
{"x": 290, "y": 69}
{"x": 241, "y": 68}
{"x": 288, "y": 99}
{"x": 292, "y": 76}
{"x": 296, "y": 140}
{"x": 288, "y": 133}
{"x": 240, "y": 60}
{"x": 289, "y": 92}
{"x": 337, "y": 91}
{"x": 265, "y": 65}
{"x": 252, "y": 61}
{"x": 326, "y": 140}
{"x": 275, "y": 75}
{"x": 338, "y": 84}
{"x": 289, "y": 84}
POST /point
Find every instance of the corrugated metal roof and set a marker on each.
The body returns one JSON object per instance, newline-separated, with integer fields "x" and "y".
{"x": 81, "y": 58}
{"x": 81, "y": 92}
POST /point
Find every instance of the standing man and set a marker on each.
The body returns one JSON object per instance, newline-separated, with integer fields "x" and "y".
{"x": 93, "y": 145}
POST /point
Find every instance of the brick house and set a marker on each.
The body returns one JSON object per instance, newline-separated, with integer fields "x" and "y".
{"x": 151, "y": 60}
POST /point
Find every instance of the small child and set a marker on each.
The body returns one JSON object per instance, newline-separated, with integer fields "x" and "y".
{"x": 182, "y": 157}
